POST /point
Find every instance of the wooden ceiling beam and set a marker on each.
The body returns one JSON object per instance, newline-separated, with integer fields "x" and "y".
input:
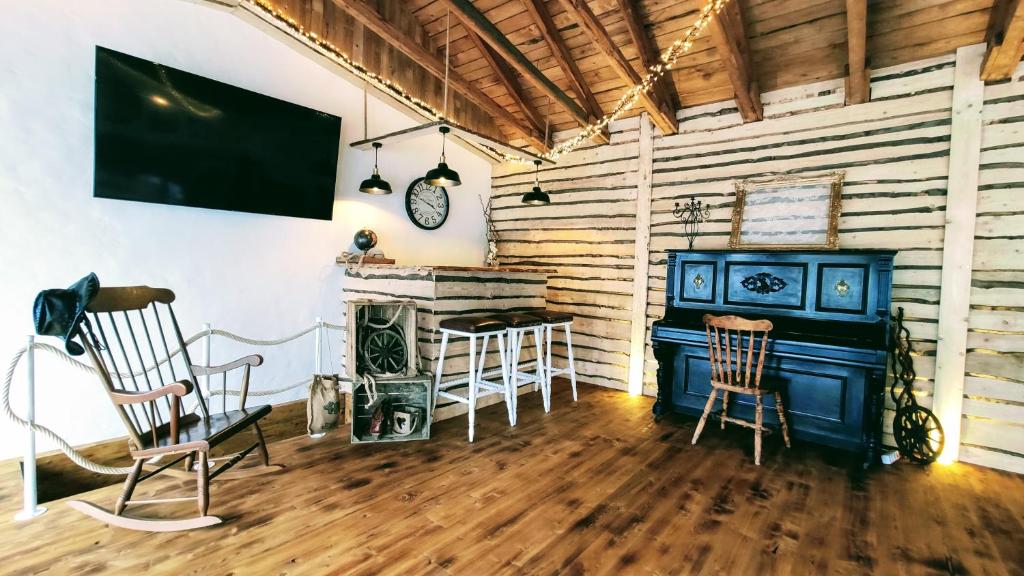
{"x": 648, "y": 53}
{"x": 1005, "y": 39}
{"x": 858, "y": 79}
{"x": 662, "y": 112}
{"x": 475, "y": 21}
{"x": 730, "y": 38}
{"x": 507, "y": 78}
{"x": 560, "y": 52}
{"x": 369, "y": 17}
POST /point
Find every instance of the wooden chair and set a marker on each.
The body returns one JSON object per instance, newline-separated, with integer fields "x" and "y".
{"x": 127, "y": 336}
{"x": 731, "y": 372}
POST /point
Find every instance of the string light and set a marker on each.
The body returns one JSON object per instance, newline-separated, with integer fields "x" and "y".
{"x": 625, "y": 103}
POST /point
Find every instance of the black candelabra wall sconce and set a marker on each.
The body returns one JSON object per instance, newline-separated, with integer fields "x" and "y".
{"x": 692, "y": 215}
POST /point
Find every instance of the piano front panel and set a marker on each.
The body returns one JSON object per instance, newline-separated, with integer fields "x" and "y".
{"x": 767, "y": 285}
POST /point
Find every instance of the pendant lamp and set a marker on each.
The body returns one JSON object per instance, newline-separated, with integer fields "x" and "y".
{"x": 443, "y": 175}
{"x": 375, "y": 184}
{"x": 536, "y": 197}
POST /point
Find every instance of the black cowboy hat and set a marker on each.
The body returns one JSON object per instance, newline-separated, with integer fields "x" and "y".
{"x": 59, "y": 312}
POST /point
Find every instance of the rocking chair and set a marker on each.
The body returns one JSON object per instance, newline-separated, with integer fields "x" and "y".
{"x": 124, "y": 331}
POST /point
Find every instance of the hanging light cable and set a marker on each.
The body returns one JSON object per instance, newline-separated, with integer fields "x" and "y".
{"x": 443, "y": 175}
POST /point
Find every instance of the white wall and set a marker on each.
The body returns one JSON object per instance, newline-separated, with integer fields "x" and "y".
{"x": 261, "y": 276}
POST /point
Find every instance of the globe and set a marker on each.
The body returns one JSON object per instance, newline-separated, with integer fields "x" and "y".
{"x": 365, "y": 239}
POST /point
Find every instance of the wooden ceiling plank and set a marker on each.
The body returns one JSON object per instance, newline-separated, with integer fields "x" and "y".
{"x": 1005, "y": 39}
{"x": 730, "y": 39}
{"x": 560, "y": 52}
{"x": 858, "y": 79}
{"x": 388, "y": 32}
{"x": 662, "y": 112}
{"x": 646, "y": 50}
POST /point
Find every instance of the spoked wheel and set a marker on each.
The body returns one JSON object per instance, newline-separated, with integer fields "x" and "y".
{"x": 918, "y": 434}
{"x": 385, "y": 352}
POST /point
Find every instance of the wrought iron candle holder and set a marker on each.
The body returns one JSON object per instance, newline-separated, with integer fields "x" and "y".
{"x": 692, "y": 215}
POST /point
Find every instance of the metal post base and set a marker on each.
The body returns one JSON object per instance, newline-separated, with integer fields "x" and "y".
{"x": 29, "y": 514}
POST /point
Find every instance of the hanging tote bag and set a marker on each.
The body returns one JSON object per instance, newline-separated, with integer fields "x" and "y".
{"x": 323, "y": 408}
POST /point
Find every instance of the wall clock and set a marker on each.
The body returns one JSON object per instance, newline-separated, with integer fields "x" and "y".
{"x": 426, "y": 205}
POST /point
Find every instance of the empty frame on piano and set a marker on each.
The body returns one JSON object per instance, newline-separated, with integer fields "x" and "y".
{"x": 787, "y": 213}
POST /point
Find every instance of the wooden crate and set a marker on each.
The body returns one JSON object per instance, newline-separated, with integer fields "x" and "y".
{"x": 404, "y": 392}
{"x": 366, "y": 322}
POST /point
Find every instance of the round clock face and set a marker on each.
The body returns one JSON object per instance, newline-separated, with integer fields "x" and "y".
{"x": 426, "y": 205}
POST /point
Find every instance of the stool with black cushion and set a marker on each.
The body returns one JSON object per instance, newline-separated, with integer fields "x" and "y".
{"x": 474, "y": 328}
{"x": 550, "y": 320}
{"x": 518, "y": 325}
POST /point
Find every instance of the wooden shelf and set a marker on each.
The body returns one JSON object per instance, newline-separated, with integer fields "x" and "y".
{"x": 368, "y": 260}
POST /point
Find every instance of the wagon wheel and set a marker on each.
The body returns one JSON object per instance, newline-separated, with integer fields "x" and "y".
{"x": 385, "y": 352}
{"x": 918, "y": 434}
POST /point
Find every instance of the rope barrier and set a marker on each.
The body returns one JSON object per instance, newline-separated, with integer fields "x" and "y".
{"x": 82, "y": 460}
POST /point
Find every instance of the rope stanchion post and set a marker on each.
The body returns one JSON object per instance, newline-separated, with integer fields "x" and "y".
{"x": 318, "y": 357}
{"x": 30, "y": 496}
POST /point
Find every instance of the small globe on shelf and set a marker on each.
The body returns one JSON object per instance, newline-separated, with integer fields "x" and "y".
{"x": 365, "y": 239}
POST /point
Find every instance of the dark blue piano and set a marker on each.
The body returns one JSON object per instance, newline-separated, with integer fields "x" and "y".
{"x": 828, "y": 349}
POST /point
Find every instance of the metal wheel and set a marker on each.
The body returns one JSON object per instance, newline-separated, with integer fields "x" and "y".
{"x": 918, "y": 434}
{"x": 384, "y": 352}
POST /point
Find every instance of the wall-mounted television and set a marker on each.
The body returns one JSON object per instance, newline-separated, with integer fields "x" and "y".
{"x": 171, "y": 137}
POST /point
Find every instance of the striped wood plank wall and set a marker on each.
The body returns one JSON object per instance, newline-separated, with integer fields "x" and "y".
{"x": 993, "y": 413}
{"x": 441, "y": 294}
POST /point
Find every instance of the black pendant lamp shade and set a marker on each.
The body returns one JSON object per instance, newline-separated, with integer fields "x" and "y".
{"x": 375, "y": 184}
{"x": 536, "y": 197}
{"x": 443, "y": 175}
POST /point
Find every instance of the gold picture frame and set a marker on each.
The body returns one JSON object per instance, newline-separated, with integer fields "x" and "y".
{"x": 787, "y": 213}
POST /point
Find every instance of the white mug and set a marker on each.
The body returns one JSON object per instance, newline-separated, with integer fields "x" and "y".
{"x": 404, "y": 423}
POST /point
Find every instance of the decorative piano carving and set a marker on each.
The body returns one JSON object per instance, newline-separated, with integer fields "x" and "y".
{"x": 828, "y": 351}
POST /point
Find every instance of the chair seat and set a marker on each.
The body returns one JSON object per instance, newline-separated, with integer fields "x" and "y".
{"x": 551, "y": 316}
{"x": 473, "y": 324}
{"x": 515, "y": 320}
{"x": 197, "y": 433}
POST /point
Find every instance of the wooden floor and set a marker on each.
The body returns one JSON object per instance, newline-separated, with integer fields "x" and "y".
{"x": 594, "y": 487}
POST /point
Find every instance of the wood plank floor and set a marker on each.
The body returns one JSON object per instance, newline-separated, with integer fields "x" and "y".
{"x": 593, "y": 487}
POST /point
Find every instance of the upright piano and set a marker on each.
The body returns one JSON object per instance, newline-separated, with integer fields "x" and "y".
{"x": 828, "y": 349}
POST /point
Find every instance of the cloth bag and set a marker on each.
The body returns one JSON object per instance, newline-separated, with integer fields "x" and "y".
{"x": 323, "y": 408}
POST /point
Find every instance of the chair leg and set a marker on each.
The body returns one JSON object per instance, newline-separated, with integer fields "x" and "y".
{"x": 483, "y": 354}
{"x": 439, "y": 369}
{"x": 572, "y": 361}
{"x": 725, "y": 406}
{"x": 758, "y": 427}
{"x": 264, "y": 454}
{"x": 515, "y": 347}
{"x": 537, "y": 339}
{"x": 129, "y": 487}
{"x": 704, "y": 416}
{"x": 190, "y": 462}
{"x": 782, "y": 418}
{"x": 203, "y": 483}
{"x": 547, "y": 365}
{"x": 472, "y": 386}
{"x": 509, "y": 400}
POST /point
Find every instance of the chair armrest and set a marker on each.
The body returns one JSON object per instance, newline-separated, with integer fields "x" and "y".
{"x": 251, "y": 360}
{"x": 179, "y": 389}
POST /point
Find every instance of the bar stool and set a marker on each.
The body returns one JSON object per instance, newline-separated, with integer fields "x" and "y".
{"x": 473, "y": 328}
{"x": 518, "y": 325}
{"x": 551, "y": 320}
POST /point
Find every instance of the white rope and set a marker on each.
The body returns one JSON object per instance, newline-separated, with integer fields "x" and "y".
{"x": 79, "y": 458}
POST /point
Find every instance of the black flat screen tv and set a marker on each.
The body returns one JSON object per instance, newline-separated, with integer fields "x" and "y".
{"x": 170, "y": 137}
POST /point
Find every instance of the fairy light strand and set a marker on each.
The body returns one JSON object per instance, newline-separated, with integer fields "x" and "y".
{"x": 625, "y": 103}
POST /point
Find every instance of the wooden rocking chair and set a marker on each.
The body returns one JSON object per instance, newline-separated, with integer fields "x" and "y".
{"x": 126, "y": 338}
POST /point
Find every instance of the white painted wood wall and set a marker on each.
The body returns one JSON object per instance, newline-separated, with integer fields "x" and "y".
{"x": 895, "y": 151}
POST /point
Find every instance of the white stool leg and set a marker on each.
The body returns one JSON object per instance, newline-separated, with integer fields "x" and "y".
{"x": 514, "y": 367}
{"x": 439, "y": 369}
{"x": 572, "y": 362}
{"x": 509, "y": 401}
{"x": 483, "y": 355}
{"x": 547, "y": 367}
{"x": 472, "y": 385}
{"x": 537, "y": 339}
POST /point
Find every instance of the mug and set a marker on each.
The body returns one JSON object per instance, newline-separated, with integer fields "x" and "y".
{"x": 403, "y": 422}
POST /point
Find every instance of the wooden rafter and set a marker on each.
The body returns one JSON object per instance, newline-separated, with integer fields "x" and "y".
{"x": 476, "y": 22}
{"x": 508, "y": 80}
{"x": 646, "y": 50}
{"x": 369, "y": 17}
{"x": 662, "y": 112}
{"x": 730, "y": 39}
{"x": 1005, "y": 40}
{"x": 560, "y": 52}
{"x": 858, "y": 79}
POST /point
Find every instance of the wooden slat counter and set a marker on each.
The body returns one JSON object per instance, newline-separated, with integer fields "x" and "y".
{"x": 444, "y": 291}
